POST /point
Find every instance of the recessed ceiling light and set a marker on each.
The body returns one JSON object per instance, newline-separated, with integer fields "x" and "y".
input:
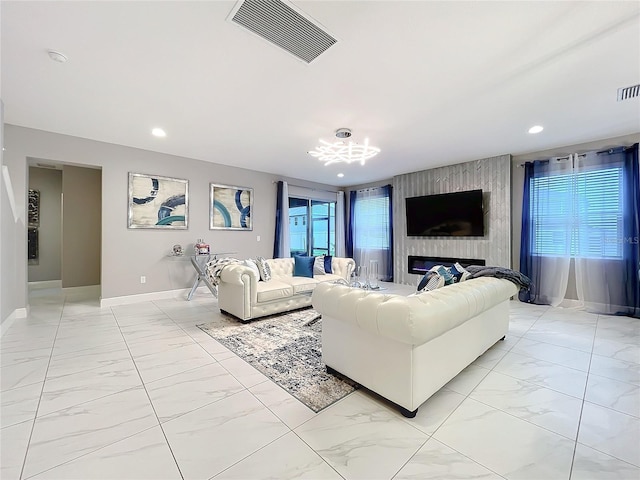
{"x": 340, "y": 175}
{"x": 158, "y": 132}
{"x": 536, "y": 129}
{"x": 57, "y": 56}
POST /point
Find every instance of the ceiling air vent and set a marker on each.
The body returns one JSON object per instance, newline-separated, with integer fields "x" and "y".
{"x": 628, "y": 92}
{"x": 283, "y": 26}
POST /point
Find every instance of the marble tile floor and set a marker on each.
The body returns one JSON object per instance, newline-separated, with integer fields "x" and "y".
{"x": 139, "y": 392}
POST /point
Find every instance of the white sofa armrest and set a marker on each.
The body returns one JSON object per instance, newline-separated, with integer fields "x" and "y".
{"x": 343, "y": 266}
{"x": 234, "y": 274}
{"x": 238, "y": 290}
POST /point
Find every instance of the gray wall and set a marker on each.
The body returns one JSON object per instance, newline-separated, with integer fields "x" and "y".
{"x": 493, "y": 176}
{"x": 13, "y": 234}
{"x": 49, "y": 183}
{"x": 128, "y": 254}
{"x": 81, "y": 226}
{"x": 7, "y": 287}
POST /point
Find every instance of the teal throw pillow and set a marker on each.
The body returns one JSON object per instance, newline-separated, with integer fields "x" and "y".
{"x": 303, "y": 266}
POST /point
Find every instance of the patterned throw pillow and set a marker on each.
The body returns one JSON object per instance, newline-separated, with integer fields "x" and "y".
{"x": 463, "y": 272}
{"x": 455, "y": 272}
{"x": 445, "y": 273}
{"x": 430, "y": 281}
{"x": 263, "y": 268}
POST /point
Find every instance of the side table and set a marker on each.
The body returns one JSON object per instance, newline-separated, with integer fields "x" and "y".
{"x": 199, "y": 263}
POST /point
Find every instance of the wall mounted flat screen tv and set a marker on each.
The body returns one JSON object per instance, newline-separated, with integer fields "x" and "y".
{"x": 456, "y": 214}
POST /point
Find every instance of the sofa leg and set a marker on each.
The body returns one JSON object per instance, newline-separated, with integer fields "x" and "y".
{"x": 503, "y": 337}
{"x": 407, "y": 413}
{"x": 331, "y": 371}
{"x": 403, "y": 411}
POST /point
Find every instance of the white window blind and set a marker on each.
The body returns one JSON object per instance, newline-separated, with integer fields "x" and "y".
{"x": 372, "y": 222}
{"x": 578, "y": 214}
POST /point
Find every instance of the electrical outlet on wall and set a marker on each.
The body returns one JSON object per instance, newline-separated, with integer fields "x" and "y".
{"x": 143, "y": 279}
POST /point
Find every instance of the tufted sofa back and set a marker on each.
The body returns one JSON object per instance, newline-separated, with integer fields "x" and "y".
{"x": 415, "y": 319}
{"x": 341, "y": 266}
{"x": 281, "y": 267}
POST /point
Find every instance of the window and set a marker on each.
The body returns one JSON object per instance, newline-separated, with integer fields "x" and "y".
{"x": 578, "y": 214}
{"x": 372, "y": 220}
{"x": 312, "y": 225}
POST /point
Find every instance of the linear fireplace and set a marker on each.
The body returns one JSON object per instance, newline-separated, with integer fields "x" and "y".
{"x": 419, "y": 264}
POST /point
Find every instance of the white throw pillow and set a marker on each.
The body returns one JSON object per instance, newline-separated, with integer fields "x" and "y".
{"x": 252, "y": 265}
{"x": 318, "y": 266}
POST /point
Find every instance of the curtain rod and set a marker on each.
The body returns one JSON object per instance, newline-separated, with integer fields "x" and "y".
{"x": 309, "y": 188}
{"x": 372, "y": 188}
{"x": 558, "y": 159}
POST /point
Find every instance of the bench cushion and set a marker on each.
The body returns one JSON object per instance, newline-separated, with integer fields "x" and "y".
{"x": 300, "y": 284}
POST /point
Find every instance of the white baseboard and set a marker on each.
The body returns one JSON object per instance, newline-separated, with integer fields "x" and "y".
{"x": 13, "y": 316}
{"x": 45, "y": 284}
{"x": 148, "y": 297}
{"x": 84, "y": 290}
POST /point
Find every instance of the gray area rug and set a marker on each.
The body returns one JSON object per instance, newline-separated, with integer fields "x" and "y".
{"x": 287, "y": 348}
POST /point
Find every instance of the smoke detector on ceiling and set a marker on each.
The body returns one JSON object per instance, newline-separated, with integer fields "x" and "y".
{"x": 57, "y": 56}
{"x": 343, "y": 133}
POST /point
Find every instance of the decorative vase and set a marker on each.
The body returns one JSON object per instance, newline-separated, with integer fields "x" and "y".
{"x": 373, "y": 275}
{"x": 356, "y": 277}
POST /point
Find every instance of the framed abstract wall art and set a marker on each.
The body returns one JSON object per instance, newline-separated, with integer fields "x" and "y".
{"x": 158, "y": 202}
{"x": 33, "y": 212}
{"x": 230, "y": 207}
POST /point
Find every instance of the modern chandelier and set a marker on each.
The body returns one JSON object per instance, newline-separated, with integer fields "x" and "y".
{"x": 343, "y": 151}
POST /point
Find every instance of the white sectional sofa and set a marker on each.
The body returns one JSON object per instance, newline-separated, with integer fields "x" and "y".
{"x": 405, "y": 348}
{"x": 242, "y": 294}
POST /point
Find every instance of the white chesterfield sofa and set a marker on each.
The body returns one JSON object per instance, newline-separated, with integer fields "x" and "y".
{"x": 405, "y": 348}
{"x": 242, "y": 294}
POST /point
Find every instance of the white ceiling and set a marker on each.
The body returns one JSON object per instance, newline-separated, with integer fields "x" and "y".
{"x": 431, "y": 83}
